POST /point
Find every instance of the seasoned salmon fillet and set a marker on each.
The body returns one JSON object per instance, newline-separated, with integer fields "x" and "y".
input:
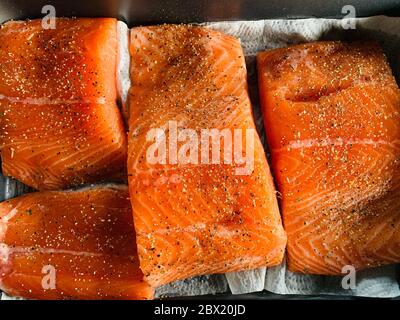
{"x": 196, "y": 216}
{"x": 84, "y": 239}
{"x": 60, "y": 124}
{"x": 332, "y": 116}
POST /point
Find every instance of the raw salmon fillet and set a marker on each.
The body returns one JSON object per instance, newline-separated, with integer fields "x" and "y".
{"x": 60, "y": 124}
{"x": 86, "y": 235}
{"x": 196, "y": 218}
{"x": 332, "y": 116}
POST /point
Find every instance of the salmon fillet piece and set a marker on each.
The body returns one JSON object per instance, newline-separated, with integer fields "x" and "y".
{"x": 332, "y": 116}
{"x": 86, "y": 235}
{"x": 60, "y": 124}
{"x": 195, "y": 217}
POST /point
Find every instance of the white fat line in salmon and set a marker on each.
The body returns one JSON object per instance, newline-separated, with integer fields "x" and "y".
{"x": 220, "y": 231}
{"x": 48, "y": 101}
{"x": 213, "y": 229}
{"x": 308, "y": 143}
{"x": 9, "y": 216}
{"x": 6, "y": 251}
{"x": 175, "y": 145}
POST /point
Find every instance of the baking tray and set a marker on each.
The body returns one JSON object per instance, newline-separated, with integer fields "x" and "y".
{"x": 144, "y": 12}
{"x": 136, "y": 12}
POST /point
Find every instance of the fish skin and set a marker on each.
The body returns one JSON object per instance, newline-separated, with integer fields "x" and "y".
{"x": 60, "y": 124}
{"x": 332, "y": 117}
{"x": 195, "y": 219}
{"x": 87, "y": 235}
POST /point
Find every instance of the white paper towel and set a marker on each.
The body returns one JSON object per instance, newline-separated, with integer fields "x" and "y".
{"x": 378, "y": 282}
{"x": 257, "y": 36}
{"x": 246, "y": 281}
{"x": 123, "y": 67}
{"x": 196, "y": 286}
